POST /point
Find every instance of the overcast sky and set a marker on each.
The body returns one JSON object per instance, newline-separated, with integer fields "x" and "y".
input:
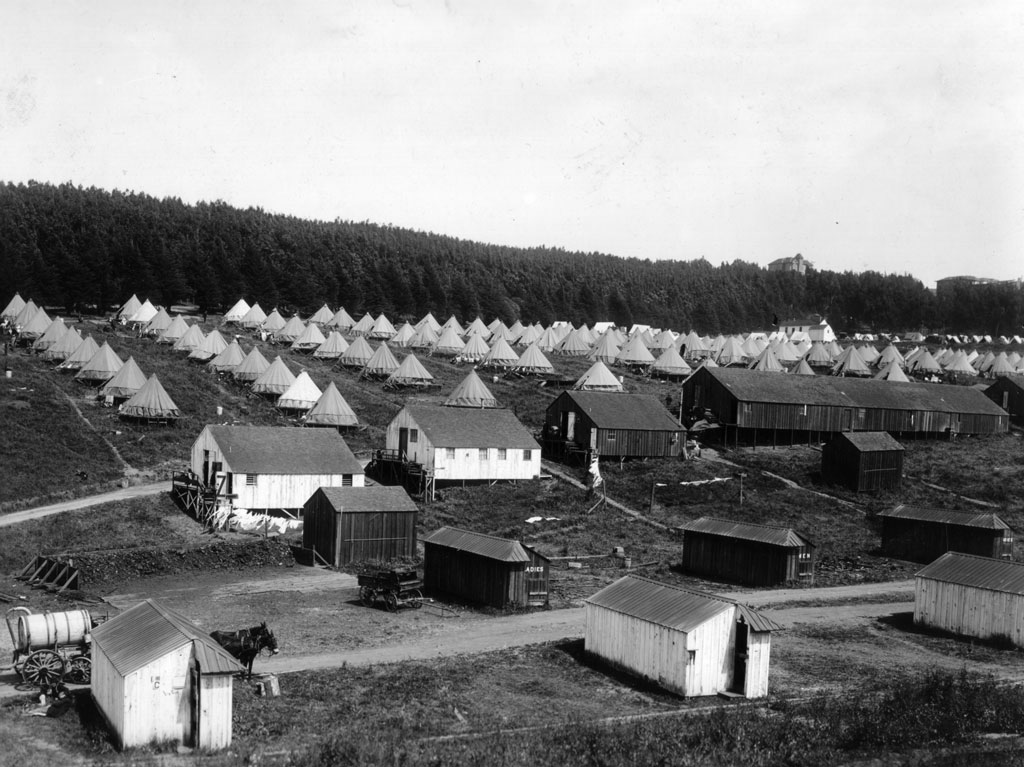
{"x": 864, "y": 135}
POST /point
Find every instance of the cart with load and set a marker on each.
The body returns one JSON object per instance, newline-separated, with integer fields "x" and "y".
{"x": 51, "y": 647}
{"x": 394, "y": 587}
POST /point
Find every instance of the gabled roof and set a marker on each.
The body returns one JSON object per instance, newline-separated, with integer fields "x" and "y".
{"x": 470, "y": 427}
{"x": 754, "y": 386}
{"x": 617, "y": 410}
{"x": 148, "y": 631}
{"x": 747, "y": 531}
{"x": 284, "y": 450}
{"x": 867, "y": 441}
{"x": 977, "y": 572}
{"x": 674, "y": 607}
{"x": 985, "y": 520}
{"x": 356, "y": 500}
{"x": 489, "y": 546}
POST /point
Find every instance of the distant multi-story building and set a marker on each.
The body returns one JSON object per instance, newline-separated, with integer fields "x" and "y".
{"x": 797, "y": 264}
{"x": 814, "y": 328}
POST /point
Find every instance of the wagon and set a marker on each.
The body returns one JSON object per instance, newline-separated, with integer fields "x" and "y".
{"x": 51, "y": 647}
{"x": 393, "y": 587}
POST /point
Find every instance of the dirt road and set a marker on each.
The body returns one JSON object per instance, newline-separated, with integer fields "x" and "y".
{"x": 82, "y": 503}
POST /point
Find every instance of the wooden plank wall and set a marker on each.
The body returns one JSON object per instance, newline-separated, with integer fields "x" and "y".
{"x": 748, "y": 562}
{"x": 922, "y": 541}
{"x": 472, "y": 577}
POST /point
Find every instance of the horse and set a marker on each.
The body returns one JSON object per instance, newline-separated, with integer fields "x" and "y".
{"x": 246, "y": 644}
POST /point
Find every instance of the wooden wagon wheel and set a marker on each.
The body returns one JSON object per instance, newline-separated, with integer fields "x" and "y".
{"x": 79, "y": 670}
{"x": 391, "y": 601}
{"x": 43, "y": 667}
{"x": 414, "y": 598}
{"x": 366, "y": 595}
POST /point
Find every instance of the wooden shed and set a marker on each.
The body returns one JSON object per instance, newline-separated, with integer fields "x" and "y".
{"x": 612, "y": 424}
{"x": 482, "y": 568}
{"x": 768, "y": 407}
{"x": 353, "y": 524}
{"x": 1008, "y": 393}
{"x": 972, "y": 596}
{"x": 753, "y": 554}
{"x": 271, "y": 468}
{"x": 921, "y": 535}
{"x": 687, "y": 641}
{"x": 863, "y": 461}
{"x": 158, "y": 677}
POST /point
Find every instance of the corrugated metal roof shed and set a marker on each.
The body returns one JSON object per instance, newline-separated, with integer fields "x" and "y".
{"x": 748, "y": 531}
{"x": 986, "y": 520}
{"x": 284, "y": 450}
{"x": 671, "y": 606}
{"x": 977, "y": 572}
{"x": 617, "y": 410}
{"x": 149, "y": 631}
{"x": 867, "y": 441}
{"x": 364, "y": 499}
{"x": 470, "y": 427}
{"x": 489, "y": 546}
{"x": 830, "y": 391}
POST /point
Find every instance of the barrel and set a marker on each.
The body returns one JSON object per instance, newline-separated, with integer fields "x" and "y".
{"x": 41, "y": 630}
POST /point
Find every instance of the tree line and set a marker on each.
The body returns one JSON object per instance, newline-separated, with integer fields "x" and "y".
{"x": 83, "y": 248}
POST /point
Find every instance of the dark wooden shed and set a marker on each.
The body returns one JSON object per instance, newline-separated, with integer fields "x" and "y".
{"x": 612, "y": 424}
{"x": 922, "y": 535}
{"x": 1008, "y": 393}
{"x": 354, "y": 524}
{"x": 863, "y": 461}
{"x": 482, "y": 568}
{"x": 757, "y": 555}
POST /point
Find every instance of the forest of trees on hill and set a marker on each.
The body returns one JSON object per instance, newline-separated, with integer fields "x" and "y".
{"x": 76, "y": 248}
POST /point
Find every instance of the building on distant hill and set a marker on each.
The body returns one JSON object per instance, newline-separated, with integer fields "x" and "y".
{"x": 796, "y": 263}
{"x": 814, "y": 327}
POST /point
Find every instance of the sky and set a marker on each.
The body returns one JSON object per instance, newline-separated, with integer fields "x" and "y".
{"x": 863, "y": 135}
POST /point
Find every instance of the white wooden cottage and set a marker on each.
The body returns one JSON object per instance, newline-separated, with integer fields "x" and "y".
{"x": 269, "y": 468}
{"x": 458, "y": 443}
{"x": 157, "y": 677}
{"x": 973, "y": 596}
{"x": 687, "y": 641}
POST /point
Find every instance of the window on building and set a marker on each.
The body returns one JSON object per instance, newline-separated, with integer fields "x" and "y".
{"x": 250, "y": 480}
{"x": 483, "y": 454}
{"x": 527, "y": 455}
{"x": 502, "y": 454}
{"x": 691, "y": 656}
{"x": 803, "y": 410}
{"x": 346, "y": 480}
{"x": 862, "y": 413}
{"x": 610, "y": 435}
{"x": 449, "y": 453}
{"x": 746, "y": 408}
{"x": 414, "y": 435}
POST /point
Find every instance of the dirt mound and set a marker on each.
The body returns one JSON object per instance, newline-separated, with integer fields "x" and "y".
{"x": 99, "y": 571}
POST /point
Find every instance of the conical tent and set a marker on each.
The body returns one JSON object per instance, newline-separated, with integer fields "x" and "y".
{"x": 192, "y": 340}
{"x": 452, "y": 323}
{"x": 924, "y": 363}
{"x": 663, "y": 340}
{"x": 403, "y": 335}
{"x": 129, "y": 307}
{"x": 160, "y": 322}
{"x": 357, "y": 354}
{"x": 292, "y": 329}
{"x": 381, "y": 364}
{"x": 516, "y": 331}
{"x": 635, "y": 354}
{"x": 528, "y": 336}
{"x": 818, "y": 355}
{"x": 548, "y": 340}
{"x": 474, "y": 350}
{"x": 275, "y": 379}
{"x": 802, "y": 368}
{"x": 494, "y": 324}
{"x": 428, "y": 319}
{"x": 237, "y": 312}
{"x": 128, "y": 380}
{"x": 103, "y": 365}
{"x": 693, "y": 346}
{"x": 274, "y": 322}
{"x": 173, "y": 332}
{"x": 144, "y": 314}
{"x": 332, "y": 347}
{"x": 449, "y": 344}
{"x": 252, "y": 367}
{"x": 56, "y": 331}
{"x": 574, "y": 346}
{"x": 478, "y": 326}
{"x": 410, "y": 373}
{"x": 13, "y": 308}
{"x": 850, "y": 363}
{"x": 322, "y": 316}
{"x": 598, "y": 378}
{"x": 424, "y": 338}
{"x": 84, "y": 352}
{"x": 606, "y": 349}
{"x": 502, "y": 332}
{"x": 341, "y": 320}
{"x": 767, "y": 362}
{"x": 254, "y": 317}
{"x": 533, "y": 362}
{"x": 1001, "y": 366}
{"x": 471, "y": 392}
{"x": 959, "y": 364}
{"x": 382, "y": 328}
{"x": 331, "y": 410}
{"x": 500, "y": 355}
{"x": 731, "y": 352}
{"x": 230, "y": 358}
{"x": 891, "y": 372}
{"x": 301, "y": 395}
{"x": 887, "y": 355}
{"x": 63, "y": 348}
{"x": 364, "y": 326}
{"x": 310, "y": 339}
{"x": 670, "y": 364}
{"x": 151, "y": 402}
{"x": 211, "y": 346}
{"x": 26, "y": 314}
{"x": 37, "y": 324}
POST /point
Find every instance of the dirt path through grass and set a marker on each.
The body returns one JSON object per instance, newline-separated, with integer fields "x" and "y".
{"x": 560, "y": 473}
{"x": 75, "y": 504}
